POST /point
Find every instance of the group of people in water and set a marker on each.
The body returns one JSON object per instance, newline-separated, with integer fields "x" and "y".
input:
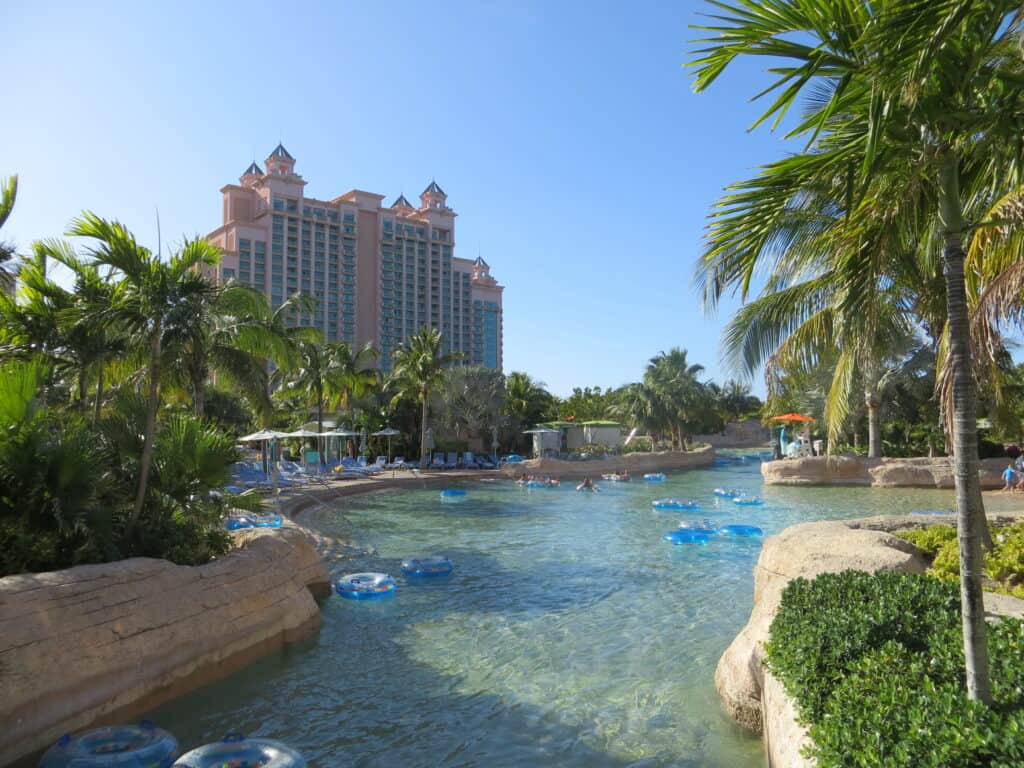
{"x": 524, "y": 479}
{"x": 586, "y": 485}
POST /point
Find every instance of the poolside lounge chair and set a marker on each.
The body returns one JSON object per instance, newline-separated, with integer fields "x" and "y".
{"x": 452, "y": 462}
{"x": 381, "y": 463}
{"x": 438, "y": 461}
{"x": 398, "y": 463}
{"x": 468, "y": 460}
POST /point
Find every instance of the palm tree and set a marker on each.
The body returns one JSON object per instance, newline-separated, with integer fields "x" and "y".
{"x": 674, "y": 378}
{"x": 228, "y": 332}
{"x": 8, "y": 193}
{"x": 640, "y": 405}
{"x": 418, "y": 371}
{"x": 910, "y": 102}
{"x": 153, "y": 291}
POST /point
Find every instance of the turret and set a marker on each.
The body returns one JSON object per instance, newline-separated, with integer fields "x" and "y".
{"x": 251, "y": 176}
{"x": 433, "y": 197}
{"x": 280, "y": 162}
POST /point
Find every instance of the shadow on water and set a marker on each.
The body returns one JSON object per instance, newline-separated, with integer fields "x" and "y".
{"x": 343, "y": 717}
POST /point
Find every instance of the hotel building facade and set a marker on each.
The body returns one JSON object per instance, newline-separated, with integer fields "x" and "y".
{"x": 378, "y": 273}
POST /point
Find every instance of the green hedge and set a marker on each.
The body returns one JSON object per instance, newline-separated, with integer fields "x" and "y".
{"x": 875, "y": 665}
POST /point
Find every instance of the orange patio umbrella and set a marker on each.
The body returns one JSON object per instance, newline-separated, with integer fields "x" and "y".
{"x": 792, "y": 417}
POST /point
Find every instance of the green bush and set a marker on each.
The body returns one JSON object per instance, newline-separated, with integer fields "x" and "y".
{"x": 875, "y": 665}
{"x": 1005, "y": 563}
{"x": 825, "y": 626}
{"x": 929, "y": 540}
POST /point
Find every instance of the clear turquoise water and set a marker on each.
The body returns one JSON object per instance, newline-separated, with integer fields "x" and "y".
{"x": 569, "y": 635}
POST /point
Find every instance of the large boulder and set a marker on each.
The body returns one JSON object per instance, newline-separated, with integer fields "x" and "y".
{"x": 806, "y": 550}
{"x": 881, "y": 473}
{"x": 101, "y": 643}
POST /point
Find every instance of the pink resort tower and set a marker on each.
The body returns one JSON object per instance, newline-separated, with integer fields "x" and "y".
{"x": 378, "y": 273}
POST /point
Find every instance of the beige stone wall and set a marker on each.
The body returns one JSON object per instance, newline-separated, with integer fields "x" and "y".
{"x": 881, "y": 473}
{"x": 634, "y": 463}
{"x": 103, "y": 643}
{"x": 749, "y": 433}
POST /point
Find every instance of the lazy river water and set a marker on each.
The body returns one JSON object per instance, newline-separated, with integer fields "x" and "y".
{"x": 569, "y": 634}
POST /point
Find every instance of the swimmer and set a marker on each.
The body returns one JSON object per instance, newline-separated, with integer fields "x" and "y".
{"x": 587, "y": 485}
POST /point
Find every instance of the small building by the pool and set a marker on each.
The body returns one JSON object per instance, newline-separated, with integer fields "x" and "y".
{"x": 578, "y": 434}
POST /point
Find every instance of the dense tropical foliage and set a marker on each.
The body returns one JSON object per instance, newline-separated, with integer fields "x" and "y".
{"x": 910, "y": 159}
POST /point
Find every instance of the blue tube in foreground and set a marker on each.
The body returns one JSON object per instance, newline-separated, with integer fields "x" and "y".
{"x": 740, "y": 530}
{"x": 239, "y": 752}
{"x": 120, "y": 746}
{"x": 451, "y": 493}
{"x": 654, "y": 477}
{"x": 365, "y": 586}
{"x": 434, "y": 565}
{"x": 240, "y": 522}
{"x": 268, "y": 521}
{"x": 686, "y": 536}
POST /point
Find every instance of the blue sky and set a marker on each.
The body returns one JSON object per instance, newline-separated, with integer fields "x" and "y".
{"x": 566, "y": 135}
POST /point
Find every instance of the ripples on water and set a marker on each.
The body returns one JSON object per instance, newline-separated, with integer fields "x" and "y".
{"x": 569, "y": 634}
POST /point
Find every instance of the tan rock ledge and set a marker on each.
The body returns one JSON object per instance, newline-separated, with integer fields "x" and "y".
{"x": 881, "y": 473}
{"x": 748, "y": 691}
{"x": 100, "y": 644}
{"x": 634, "y": 463}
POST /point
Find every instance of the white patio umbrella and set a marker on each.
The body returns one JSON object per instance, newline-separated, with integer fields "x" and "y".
{"x": 263, "y": 436}
{"x": 494, "y": 443}
{"x": 388, "y": 432}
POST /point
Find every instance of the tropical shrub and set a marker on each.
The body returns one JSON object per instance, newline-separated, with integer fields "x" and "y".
{"x": 875, "y": 665}
{"x": 1004, "y": 565}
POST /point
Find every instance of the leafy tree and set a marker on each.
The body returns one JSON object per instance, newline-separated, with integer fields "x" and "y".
{"x": 418, "y": 372}
{"x": 8, "y": 192}
{"x": 153, "y": 291}
{"x": 473, "y": 399}
{"x": 916, "y": 106}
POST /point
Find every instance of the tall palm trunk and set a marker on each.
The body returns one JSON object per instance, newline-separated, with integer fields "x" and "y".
{"x": 99, "y": 395}
{"x": 425, "y": 395}
{"x": 149, "y": 436}
{"x": 874, "y": 404}
{"x": 970, "y": 511}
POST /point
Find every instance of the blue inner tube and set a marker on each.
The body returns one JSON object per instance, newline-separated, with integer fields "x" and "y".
{"x": 740, "y": 530}
{"x": 654, "y": 477}
{"x": 365, "y": 586}
{"x": 239, "y": 752}
{"x": 434, "y": 565}
{"x": 268, "y": 521}
{"x": 675, "y": 504}
{"x": 698, "y": 526}
{"x": 121, "y": 746}
{"x": 727, "y": 493}
{"x": 451, "y": 493}
{"x": 240, "y": 522}
{"x": 686, "y": 536}
{"x": 748, "y": 501}
{"x": 535, "y": 484}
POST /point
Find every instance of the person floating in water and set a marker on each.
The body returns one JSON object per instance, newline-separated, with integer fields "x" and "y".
{"x": 587, "y": 485}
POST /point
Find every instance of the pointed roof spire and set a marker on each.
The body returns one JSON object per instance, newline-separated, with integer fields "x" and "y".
{"x": 433, "y": 188}
{"x": 280, "y": 151}
{"x": 254, "y": 170}
{"x": 401, "y": 202}
{"x": 481, "y": 263}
